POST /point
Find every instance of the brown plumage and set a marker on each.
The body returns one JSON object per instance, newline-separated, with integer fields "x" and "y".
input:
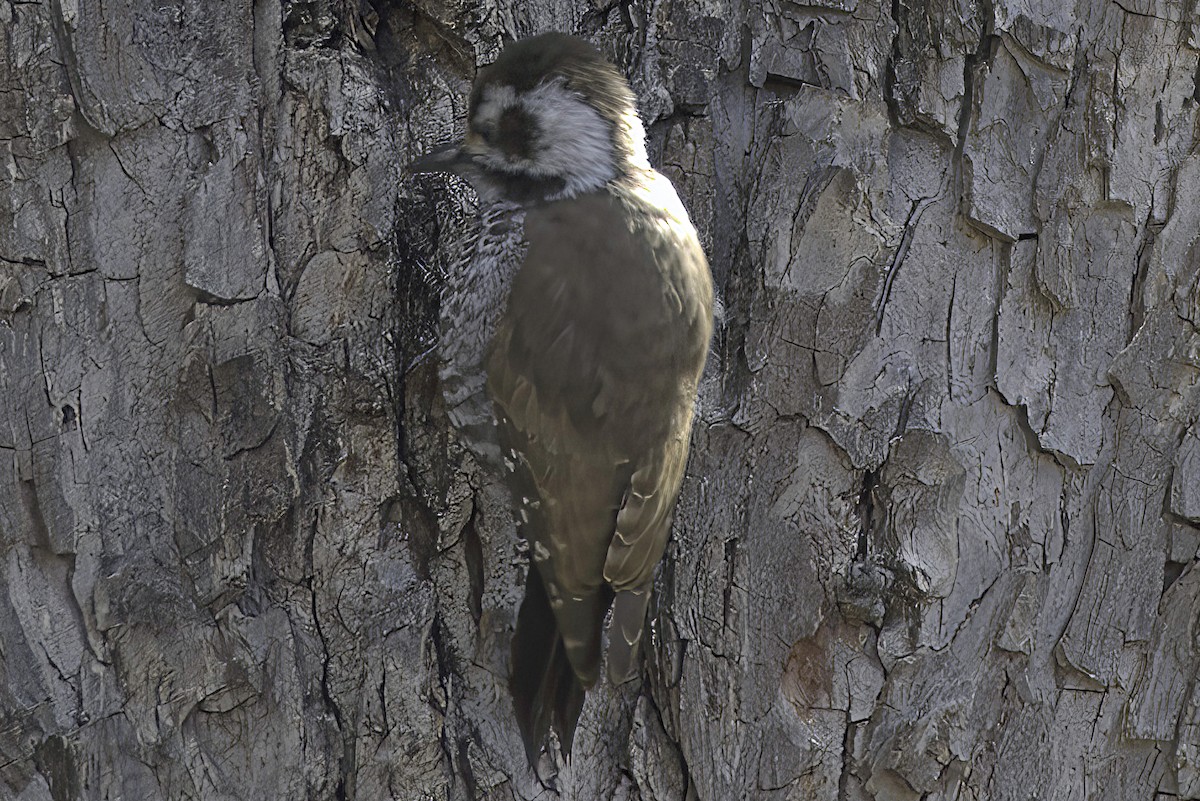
{"x": 594, "y": 365}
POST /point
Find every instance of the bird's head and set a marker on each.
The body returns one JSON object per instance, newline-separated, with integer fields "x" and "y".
{"x": 551, "y": 117}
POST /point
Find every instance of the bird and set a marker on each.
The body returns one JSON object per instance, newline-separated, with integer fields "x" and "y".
{"x": 591, "y": 363}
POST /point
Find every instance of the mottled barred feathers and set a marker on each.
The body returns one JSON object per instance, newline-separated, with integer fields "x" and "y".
{"x": 591, "y": 368}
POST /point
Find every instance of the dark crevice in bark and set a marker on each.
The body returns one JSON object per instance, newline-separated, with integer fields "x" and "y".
{"x": 1172, "y": 571}
{"x": 414, "y": 245}
{"x": 256, "y": 598}
{"x": 446, "y": 673}
{"x": 597, "y": 19}
{"x": 847, "y": 768}
{"x": 731, "y": 549}
{"x": 344, "y": 787}
{"x": 407, "y": 40}
{"x": 311, "y": 24}
{"x": 973, "y": 66}
{"x": 1033, "y": 437}
{"x": 33, "y": 508}
{"x": 915, "y": 212}
{"x": 28, "y": 261}
{"x": 1137, "y": 287}
{"x": 462, "y": 763}
{"x": 70, "y": 65}
{"x": 1179, "y": 520}
{"x": 948, "y": 337}
{"x": 1002, "y": 255}
{"x": 783, "y": 86}
{"x": 866, "y": 513}
{"x": 672, "y": 740}
{"x": 473, "y": 554}
{"x": 56, "y": 760}
{"x": 889, "y": 74}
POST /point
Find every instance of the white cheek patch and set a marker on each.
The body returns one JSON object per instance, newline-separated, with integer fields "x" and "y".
{"x": 573, "y": 141}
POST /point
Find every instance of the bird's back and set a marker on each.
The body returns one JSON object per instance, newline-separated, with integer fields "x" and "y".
{"x": 593, "y": 371}
{"x": 610, "y": 313}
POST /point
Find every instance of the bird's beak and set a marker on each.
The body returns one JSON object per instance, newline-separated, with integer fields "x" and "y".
{"x": 447, "y": 158}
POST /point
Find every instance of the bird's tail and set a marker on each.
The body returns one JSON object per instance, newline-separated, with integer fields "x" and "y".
{"x": 544, "y": 686}
{"x": 628, "y": 623}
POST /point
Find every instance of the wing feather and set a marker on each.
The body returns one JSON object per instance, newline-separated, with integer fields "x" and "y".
{"x": 593, "y": 372}
{"x": 643, "y": 523}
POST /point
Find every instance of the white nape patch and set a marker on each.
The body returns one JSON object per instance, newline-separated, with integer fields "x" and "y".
{"x": 633, "y": 129}
{"x": 656, "y": 190}
{"x": 574, "y": 142}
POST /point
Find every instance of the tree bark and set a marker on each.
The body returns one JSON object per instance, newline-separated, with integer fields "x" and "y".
{"x": 939, "y": 534}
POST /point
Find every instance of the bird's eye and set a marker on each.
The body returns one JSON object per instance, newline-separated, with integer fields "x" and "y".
{"x": 486, "y": 133}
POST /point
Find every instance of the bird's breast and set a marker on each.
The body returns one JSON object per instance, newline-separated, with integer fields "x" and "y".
{"x": 473, "y": 301}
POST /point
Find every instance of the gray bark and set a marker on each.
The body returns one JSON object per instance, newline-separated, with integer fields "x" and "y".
{"x": 939, "y": 535}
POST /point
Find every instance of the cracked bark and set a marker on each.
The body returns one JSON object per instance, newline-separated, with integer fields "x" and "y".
{"x": 939, "y": 535}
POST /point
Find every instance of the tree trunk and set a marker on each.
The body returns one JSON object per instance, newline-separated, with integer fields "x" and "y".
{"x": 939, "y": 534}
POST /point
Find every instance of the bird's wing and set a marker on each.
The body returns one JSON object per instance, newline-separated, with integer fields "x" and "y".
{"x": 593, "y": 370}
{"x": 567, "y": 481}
{"x": 645, "y": 517}
{"x": 568, "y": 504}
{"x": 642, "y": 531}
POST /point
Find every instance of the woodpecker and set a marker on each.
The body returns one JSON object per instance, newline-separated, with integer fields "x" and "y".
{"x": 592, "y": 365}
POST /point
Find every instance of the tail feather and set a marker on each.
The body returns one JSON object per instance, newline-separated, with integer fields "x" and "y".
{"x": 625, "y": 634}
{"x": 568, "y": 703}
{"x": 544, "y": 685}
{"x": 539, "y": 667}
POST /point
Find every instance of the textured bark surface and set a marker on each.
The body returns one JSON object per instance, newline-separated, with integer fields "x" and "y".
{"x": 939, "y": 535}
